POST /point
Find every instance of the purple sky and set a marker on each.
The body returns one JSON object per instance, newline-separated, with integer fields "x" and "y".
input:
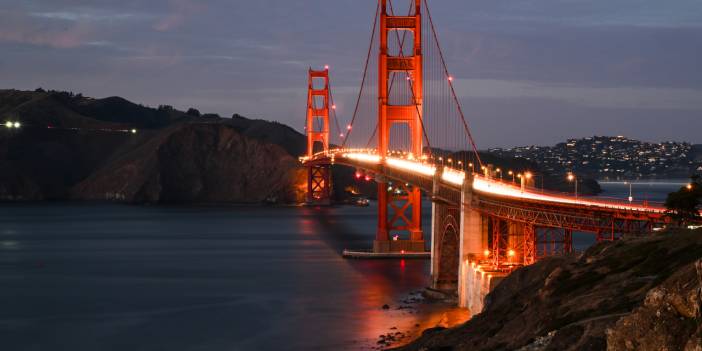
{"x": 527, "y": 72}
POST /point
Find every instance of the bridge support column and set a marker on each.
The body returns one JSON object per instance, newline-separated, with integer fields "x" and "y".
{"x": 472, "y": 243}
{"x": 319, "y": 185}
{"x": 399, "y": 210}
{"x": 515, "y": 243}
{"x": 529, "y": 244}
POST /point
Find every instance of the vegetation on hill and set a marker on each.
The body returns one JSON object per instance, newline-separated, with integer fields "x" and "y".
{"x": 685, "y": 204}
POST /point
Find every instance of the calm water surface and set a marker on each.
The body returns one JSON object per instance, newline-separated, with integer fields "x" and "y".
{"x": 111, "y": 277}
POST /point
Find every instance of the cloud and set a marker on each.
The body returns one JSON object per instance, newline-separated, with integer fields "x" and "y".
{"x": 180, "y": 11}
{"x": 19, "y": 28}
{"x": 90, "y": 15}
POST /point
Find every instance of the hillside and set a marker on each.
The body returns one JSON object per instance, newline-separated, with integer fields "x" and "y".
{"x": 74, "y": 147}
{"x": 696, "y": 153}
{"x": 613, "y": 157}
{"x": 198, "y": 163}
{"x": 633, "y": 294}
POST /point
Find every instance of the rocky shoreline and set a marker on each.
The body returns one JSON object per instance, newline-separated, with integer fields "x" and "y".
{"x": 431, "y": 313}
{"x": 632, "y": 294}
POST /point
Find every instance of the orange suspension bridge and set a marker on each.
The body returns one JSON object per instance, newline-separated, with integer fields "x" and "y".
{"x": 409, "y": 133}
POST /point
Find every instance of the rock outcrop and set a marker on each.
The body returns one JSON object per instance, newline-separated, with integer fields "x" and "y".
{"x": 633, "y": 294}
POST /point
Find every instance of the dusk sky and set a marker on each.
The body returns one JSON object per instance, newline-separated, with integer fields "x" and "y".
{"x": 527, "y": 72}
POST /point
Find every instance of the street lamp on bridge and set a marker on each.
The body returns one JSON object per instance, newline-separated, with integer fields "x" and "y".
{"x": 631, "y": 197}
{"x": 573, "y": 178}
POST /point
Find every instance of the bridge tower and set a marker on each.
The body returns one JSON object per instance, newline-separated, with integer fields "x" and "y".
{"x": 406, "y": 206}
{"x": 317, "y": 128}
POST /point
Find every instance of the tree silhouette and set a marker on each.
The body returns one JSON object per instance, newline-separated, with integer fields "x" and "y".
{"x": 685, "y": 204}
{"x": 193, "y": 112}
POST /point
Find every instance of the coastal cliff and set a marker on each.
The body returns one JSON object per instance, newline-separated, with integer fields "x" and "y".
{"x": 633, "y": 294}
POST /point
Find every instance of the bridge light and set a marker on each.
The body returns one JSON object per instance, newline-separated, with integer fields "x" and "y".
{"x": 326, "y": 66}
{"x": 486, "y": 253}
{"x": 8, "y": 124}
{"x": 689, "y": 186}
{"x": 528, "y": 175}
{"x": 358, "y": 175}
{"x": 510, "y": 253}
{"x": 368, "y": 178}
{"x": 348, "y": 127}
{"x": 333, "y": 107}
{"x": 510, "y": 172}
{"x": 341, "y": 135}
{"x": 450, "y": 79}
{"x": 571, "y": 177}
{"x": 17, "y": 124}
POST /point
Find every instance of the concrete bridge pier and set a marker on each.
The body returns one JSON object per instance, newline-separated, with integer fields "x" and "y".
{"x": 459, "y": 236}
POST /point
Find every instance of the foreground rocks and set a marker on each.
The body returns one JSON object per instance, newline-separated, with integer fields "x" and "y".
{"x": 633, "y": 294}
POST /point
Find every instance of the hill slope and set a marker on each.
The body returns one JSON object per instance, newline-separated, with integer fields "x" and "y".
{"x": 633, "y": 294}
{"x": 198, "y": 163}
{"x": 74, "y": 147}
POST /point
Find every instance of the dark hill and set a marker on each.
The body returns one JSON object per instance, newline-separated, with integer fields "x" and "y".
{"x": 196, "y": 163}
{"x": 118, "y": 110}
{"x": 273, "y": 132}
{"x": 77, "y": 147}
{"x": 697, "y": 152}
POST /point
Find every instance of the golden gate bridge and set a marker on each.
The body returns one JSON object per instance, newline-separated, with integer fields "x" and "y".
{"x": 409, "y": 134}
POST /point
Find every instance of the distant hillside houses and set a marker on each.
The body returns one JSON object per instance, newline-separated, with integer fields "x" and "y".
{"x": 617, "y": 157}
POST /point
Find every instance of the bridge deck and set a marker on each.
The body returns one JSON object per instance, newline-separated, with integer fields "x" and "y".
{"x": 422, "y": 174}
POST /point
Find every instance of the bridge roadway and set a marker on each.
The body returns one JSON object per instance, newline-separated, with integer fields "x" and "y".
{"x": 483, "y": 228}
{"x": 490, "y": 192}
